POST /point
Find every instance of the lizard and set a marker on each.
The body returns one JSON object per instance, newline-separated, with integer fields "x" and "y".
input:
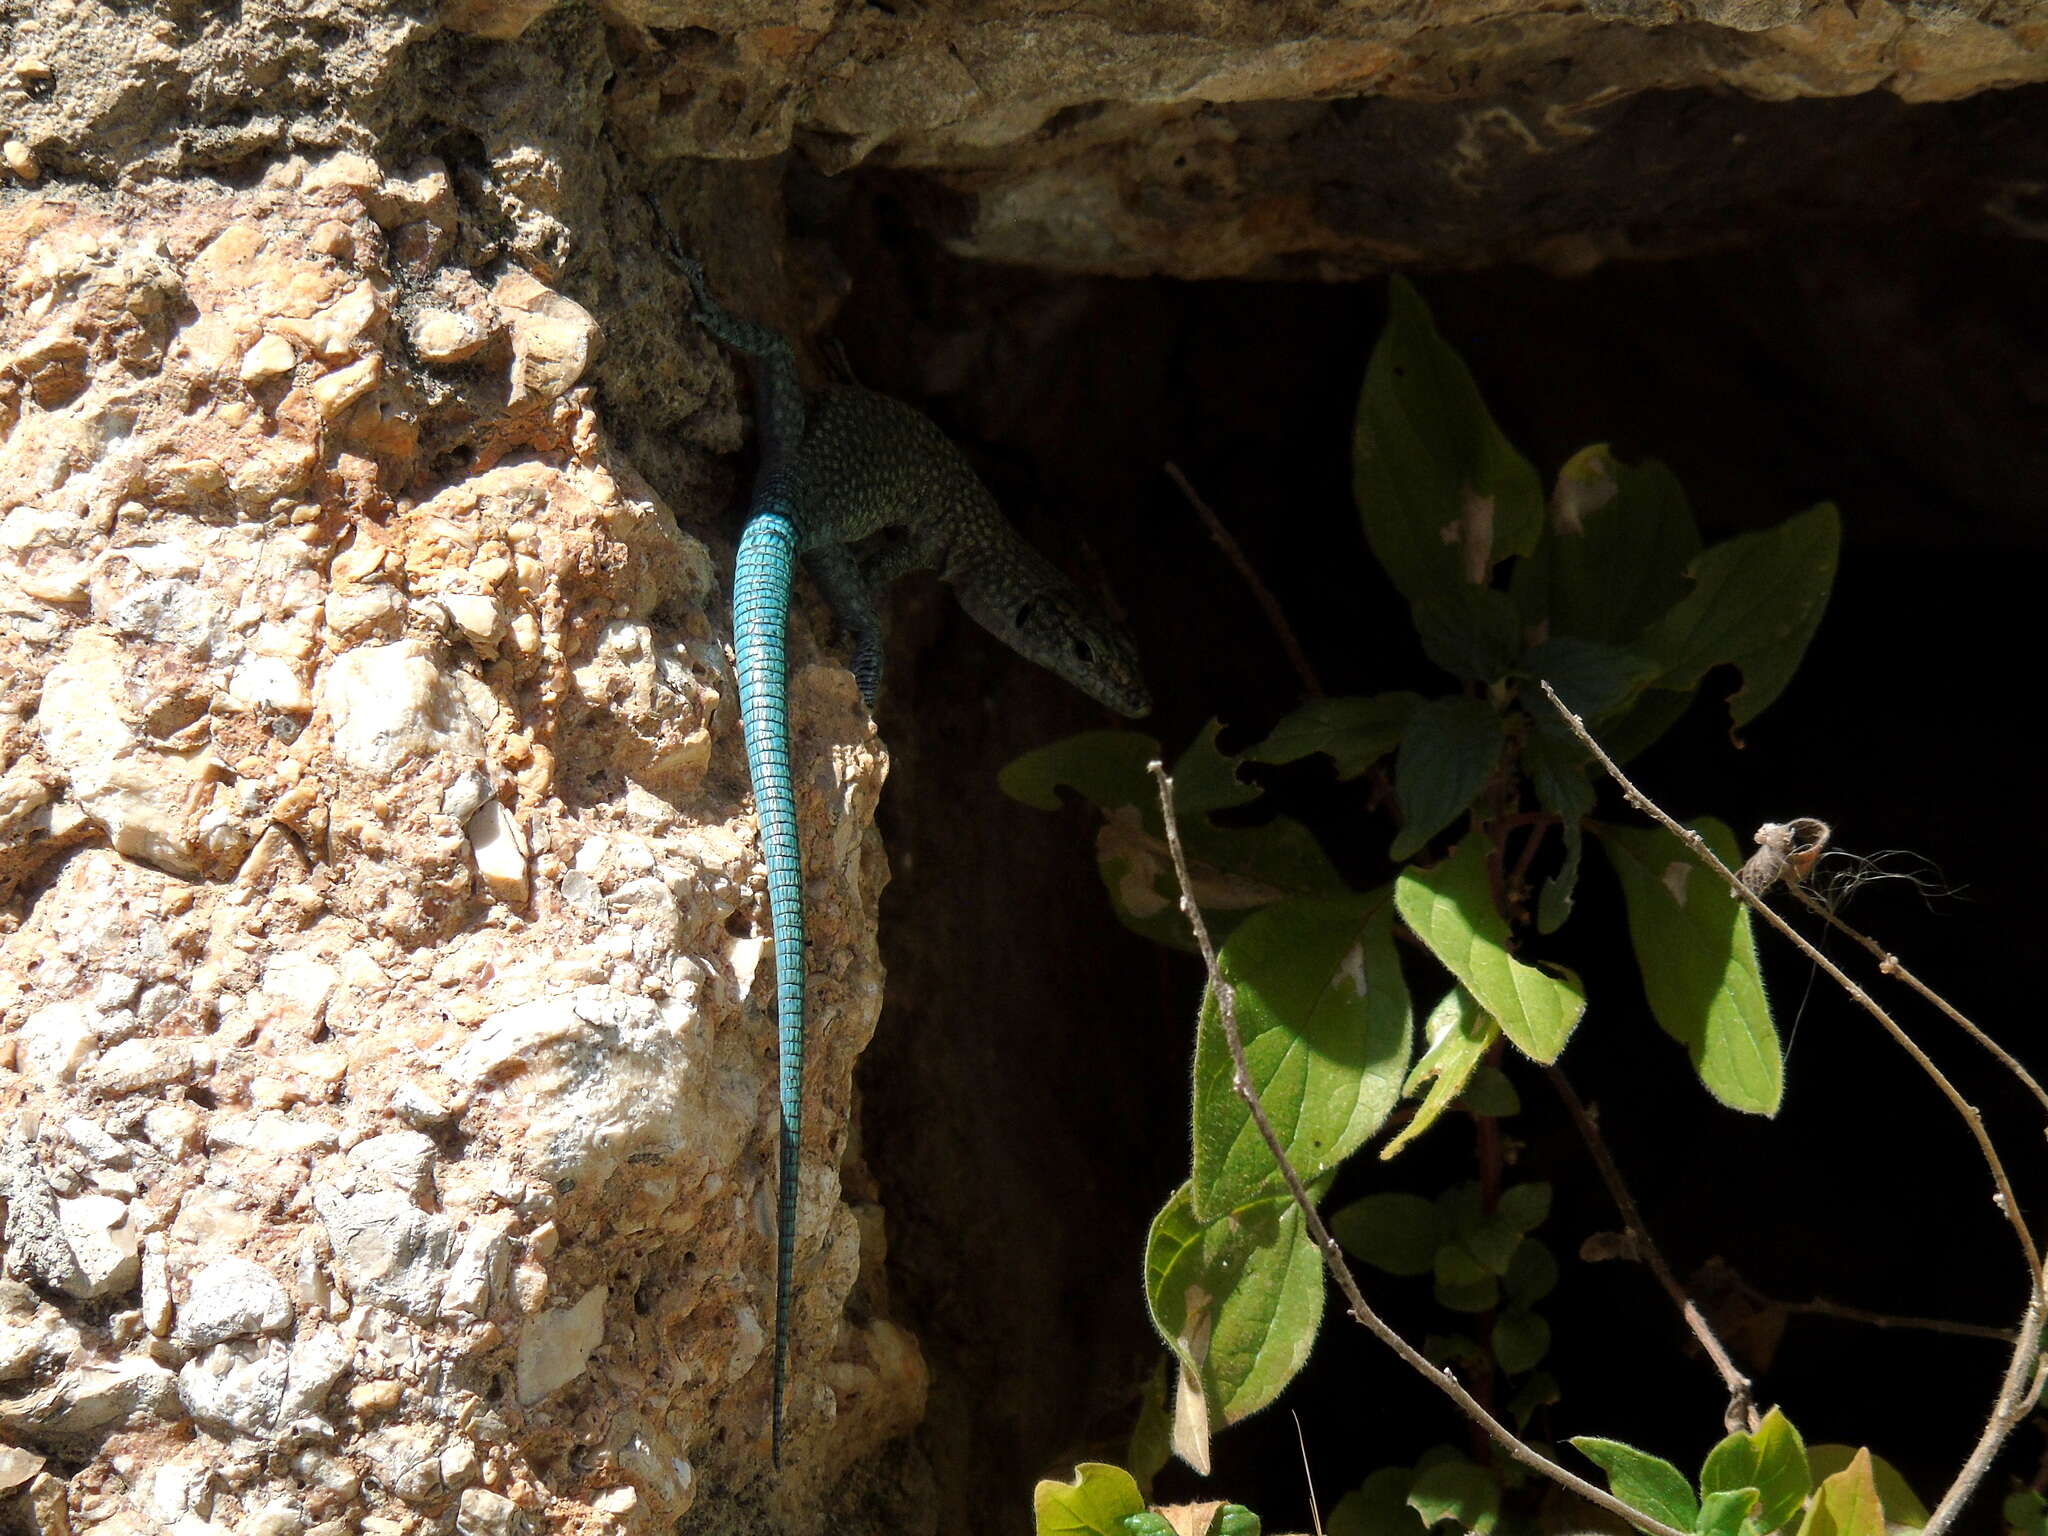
{"x": 853, "y": 467}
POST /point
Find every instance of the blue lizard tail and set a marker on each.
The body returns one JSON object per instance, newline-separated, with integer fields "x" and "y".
{"x": 762, "y": 572}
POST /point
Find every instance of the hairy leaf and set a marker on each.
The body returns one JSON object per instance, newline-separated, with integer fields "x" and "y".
{"x": 1324, "y": 1016}
{"x": 1354, "y": 733}
{"x": 1698, "y": 960}
{"x": 1648, "y": 1484}
{"x": 1443, "y": 495}
{"x": 1450, "y": 909}
{"x": 1450, "y": 750}
{"x": 1455, "y": 1040}
{"x": 1771, "y": 1460}
{"x": 1756, "y": 601}
{"x": 1238, "y": 1300}
{"x": 1095, "y": 1503}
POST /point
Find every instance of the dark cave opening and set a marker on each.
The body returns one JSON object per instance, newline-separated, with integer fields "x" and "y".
{"x": 1027, "y": 1094}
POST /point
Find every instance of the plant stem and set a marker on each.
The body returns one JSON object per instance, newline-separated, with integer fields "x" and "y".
{"x": 1333, "y": 1254}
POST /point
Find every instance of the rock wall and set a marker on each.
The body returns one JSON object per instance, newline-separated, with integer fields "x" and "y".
{"x": 384, "y": 1139}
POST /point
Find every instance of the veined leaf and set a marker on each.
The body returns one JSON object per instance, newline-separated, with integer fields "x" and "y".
{"x": 1455, "y": 1040}
{"x": 1444, "y": 496}
{"x": 1238, "y": 1300}
{"x": 1756, "y": 601}
{"x": 1323, "y": 1012}
{"x": 1648, "y": 1484}
{"x": 1846, "y": 1504}
{"x": 1903, "y": 1510}
{"x": 1095, "y": 1503}
{"x": 1772, "y": 1460}
{"x": 1698, "y": 959}
{"x": 1235, "y": 870}
{"x": 1451, "y": 749}
{"x": 1450, "y": 908}
{"x": 1614, "y": 553}
{"x": 1354, "y": 733}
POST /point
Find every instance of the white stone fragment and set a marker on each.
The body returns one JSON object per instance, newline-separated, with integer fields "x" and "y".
{"x": 386, "y": 1249}
{"x": 55, "y": 1042}
{"x": 585, "y": 1081}
{"x": 232, "y": 1299}
{"x": 270, "y": 356}
{"x": 484, "y": 1513}
{"x": 391, "y": 704}
{"x": 402, "y": 1159}
{"x": 157, "y": 1309}
{"x": 500, "y": 852}
{"x": 555, "y": 1347}
{"x": 478, "y": 1273}
{"x": 553, "y": 338}
{"x": 105, "y": 1244}
{"x": 93, "y": 1140}
{"x": 238, "y": 1385}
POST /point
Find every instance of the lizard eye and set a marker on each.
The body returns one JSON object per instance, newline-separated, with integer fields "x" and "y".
{"x": 1084, "y": 653}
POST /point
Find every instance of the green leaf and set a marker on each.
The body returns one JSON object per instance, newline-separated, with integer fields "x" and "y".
{"x": 1234, "y": 1520}
{"x": 1238, "y": 1300}
{"x": 1395, "y": 1232}
{"x": 1524, "y": 1206}
{"x": 1493, "y": 1242}
{"x": 1520, "y": 1340}
{"x": 1771, "y": 1460}
{"x": 1106, "y": 767}
{"x": 1614, "y": 555}
{"x": 1556, "y": 770}
{"x": 1539, "y": 1391}
{"x": 1443, "y": 495}
{"x": 1532, "y": 1273}
{"x": 1698, "y": 960}
{"x": 1354, "y": 733}
{"x": 1648, "y": 1484}
{"x": 1755, "y": 603}
{"x": 1377, "y": 1507}
{"x": 2026, "y": 1513}
{"x": 1490, "y": 1093}
{"x": 1150, "y": 1523}
{"x": 1457, "y": 1491}
{"x": 1902, "y": 1507}
{"x": 1594, "y": 680}
{"x": 1323, "y": 1012}
{"x": 1473, "y": 633}
{"x": 1481, "y": 1295}
{"x": 1451, "y": 749}
{"x": 1095, "y": 1503}
{"x": 1450, "y": 909}
{"x": 1456, "y": 1038}
{"x": 1722, "y": 1514}
{"x": 1235, "y": 870}
{"x": 1846, "y": 1503}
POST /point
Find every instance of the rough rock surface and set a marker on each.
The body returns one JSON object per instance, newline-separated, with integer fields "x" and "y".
{"x": 383, "y": 1105}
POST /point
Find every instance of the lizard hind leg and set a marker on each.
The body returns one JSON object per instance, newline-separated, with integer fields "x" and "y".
{"x": 839, "y": 576}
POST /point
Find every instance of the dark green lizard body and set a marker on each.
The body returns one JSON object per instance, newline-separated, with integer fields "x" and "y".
{"x": 865, "y": 488}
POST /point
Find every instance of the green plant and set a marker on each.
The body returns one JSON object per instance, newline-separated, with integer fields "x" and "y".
{"x": 1597, "y": 614}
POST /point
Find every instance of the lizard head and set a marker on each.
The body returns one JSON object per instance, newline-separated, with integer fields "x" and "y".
{"x": 1049, "y": 622}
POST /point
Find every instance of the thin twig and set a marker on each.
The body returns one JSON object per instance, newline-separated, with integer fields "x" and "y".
{"x": 1333, "y": 1254}
{"x": 1820, "y": 1306}
{"x": 1890, "y": 965}
{"x": 1275, "y": 614}
{"x": 2013, "y": 1394}
{"x": 1741, "y": 1411}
